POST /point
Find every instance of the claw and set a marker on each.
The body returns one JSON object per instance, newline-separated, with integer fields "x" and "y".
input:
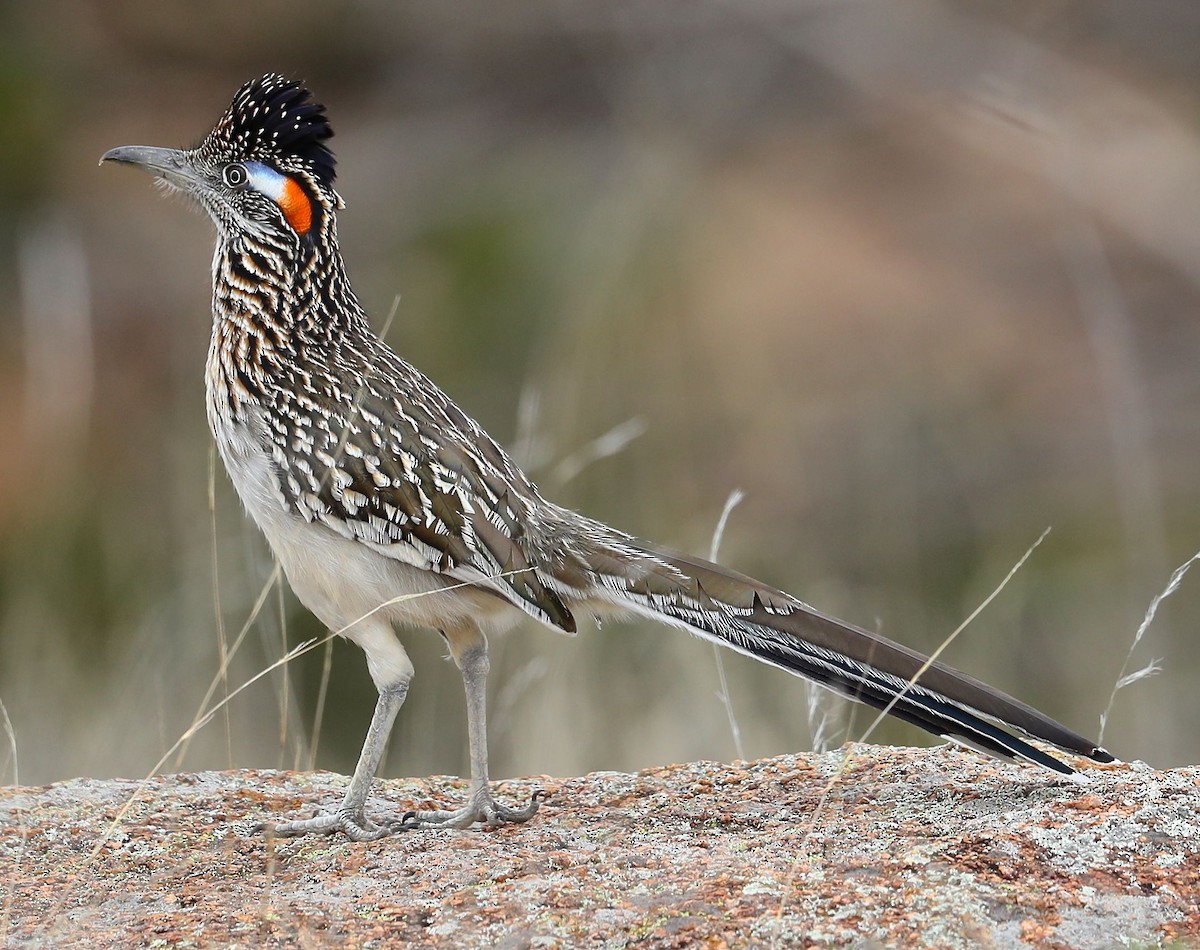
{"x": 356, "y": 827}
{"x": 482, "y": 809}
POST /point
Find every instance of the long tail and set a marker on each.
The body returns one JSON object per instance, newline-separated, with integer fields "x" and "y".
{"x": 737, "y": 611}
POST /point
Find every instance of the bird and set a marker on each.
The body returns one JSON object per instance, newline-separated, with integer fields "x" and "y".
{"x": 389, "y": 507}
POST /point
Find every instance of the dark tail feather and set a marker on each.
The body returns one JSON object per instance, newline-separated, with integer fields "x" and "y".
{"x": 752, "y": 618}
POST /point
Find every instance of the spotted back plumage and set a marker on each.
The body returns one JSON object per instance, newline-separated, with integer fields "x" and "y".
{"x": 406, "y": 472}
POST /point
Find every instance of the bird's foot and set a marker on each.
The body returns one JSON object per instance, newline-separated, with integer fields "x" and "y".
{"x": 480, "y": 809}
{"x": 354, "y": 825}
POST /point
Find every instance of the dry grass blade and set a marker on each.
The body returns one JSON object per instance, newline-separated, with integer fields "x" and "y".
{"x": 319, "y": 711}
{"x": 223, "y": 671}
{"x": 12, "y": 744}
{"x": 601, "y": 447}
{"x": 1154, "y": 666}
{"x": 954, "y": 636}
{"x": 837, "y": 776}
{"x": 285, "y": 685}
{"x": 222, "y": 642}
{"x": 734, "y": 499}
{"x": 9, "y": 887}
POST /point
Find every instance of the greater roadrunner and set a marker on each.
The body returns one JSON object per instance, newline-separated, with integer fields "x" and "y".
{"x": 386, "y": 504}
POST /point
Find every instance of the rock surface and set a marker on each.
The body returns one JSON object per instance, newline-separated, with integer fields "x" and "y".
{"x": 864, "y": 846}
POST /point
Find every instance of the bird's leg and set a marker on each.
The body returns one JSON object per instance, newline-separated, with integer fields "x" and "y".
{"x": 469, "y": 648}
{"x": 349, "y": 816}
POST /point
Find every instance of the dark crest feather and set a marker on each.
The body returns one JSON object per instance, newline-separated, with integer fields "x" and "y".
{"x": 274, "y": 119}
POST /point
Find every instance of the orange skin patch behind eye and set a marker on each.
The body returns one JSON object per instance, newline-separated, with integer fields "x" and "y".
{"x": 296, "y": 206}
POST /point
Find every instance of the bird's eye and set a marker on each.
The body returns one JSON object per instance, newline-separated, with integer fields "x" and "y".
{"x": 235, "y": 175}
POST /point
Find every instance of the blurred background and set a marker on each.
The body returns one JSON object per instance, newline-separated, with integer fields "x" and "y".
{"x": 919, "y": 278}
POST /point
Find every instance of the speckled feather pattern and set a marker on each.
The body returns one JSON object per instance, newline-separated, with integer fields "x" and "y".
{"x": 327, "y": 433}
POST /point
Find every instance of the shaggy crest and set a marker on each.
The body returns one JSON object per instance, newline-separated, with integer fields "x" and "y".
{"x": 275, "y": 120}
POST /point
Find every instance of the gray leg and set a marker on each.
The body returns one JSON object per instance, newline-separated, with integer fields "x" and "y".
{"x": 350, "y": 817}
{"x": 469, "y": 649}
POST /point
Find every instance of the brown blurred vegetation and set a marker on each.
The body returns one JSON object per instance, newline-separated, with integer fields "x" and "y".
{"x": 920, "y": 278}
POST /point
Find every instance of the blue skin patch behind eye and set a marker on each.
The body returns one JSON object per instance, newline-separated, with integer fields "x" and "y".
{"x": 266, "y": 180}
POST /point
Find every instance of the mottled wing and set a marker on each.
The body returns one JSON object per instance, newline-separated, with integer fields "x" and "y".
{"x": 411, "y": 475}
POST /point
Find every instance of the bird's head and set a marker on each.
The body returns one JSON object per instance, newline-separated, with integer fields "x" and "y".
{"x": 263, "y": 171}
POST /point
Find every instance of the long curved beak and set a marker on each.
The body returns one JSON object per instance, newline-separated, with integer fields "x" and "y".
{"x": 168, "y": 163}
